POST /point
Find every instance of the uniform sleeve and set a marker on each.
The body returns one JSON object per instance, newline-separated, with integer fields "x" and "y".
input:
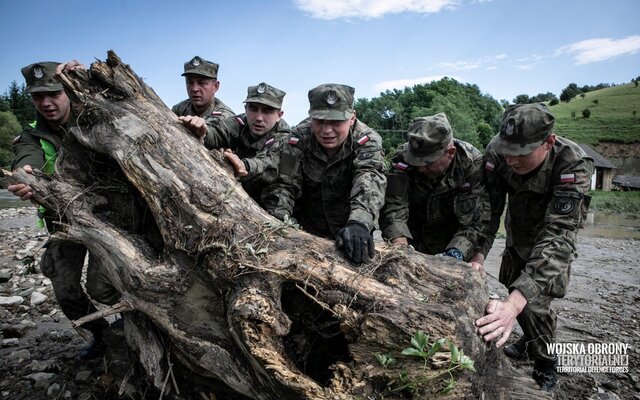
{"x": 497, "y": 198}
{"x": 473, "y": 212}
{"x": 27, "y": 151}
{"x": 394, "y": 216}
{"x": 279, "y": 197}
{"x": 369, "y": 182}
{"x": 263, "y": 167}
{"x": 222, "y": 132}
{"x": 547, "y": 269}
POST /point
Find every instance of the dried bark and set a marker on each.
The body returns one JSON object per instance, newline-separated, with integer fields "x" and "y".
{"x": 233, "y": 296}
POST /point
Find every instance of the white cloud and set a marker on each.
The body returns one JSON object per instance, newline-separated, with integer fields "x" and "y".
{"x": 365, "y": 9}
{"x": 402, "y": 83}
{"x": 594, "y": 50}
{"x": 488, "y": 62}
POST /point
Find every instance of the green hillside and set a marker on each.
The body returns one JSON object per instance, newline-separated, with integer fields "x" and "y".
{"x": 612, "y": 116}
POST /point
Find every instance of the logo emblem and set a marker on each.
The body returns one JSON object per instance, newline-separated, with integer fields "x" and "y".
{"x": 262, "y": 88}
{"x": 195, "y": 62}
{"x": 332, "y": 98}
{"x": 508, "y": 130}
{"x": 38, "y": 72}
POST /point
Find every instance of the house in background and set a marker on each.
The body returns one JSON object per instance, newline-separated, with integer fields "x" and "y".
{"x": 627, "y": 182}
{"x": 603, "y": 173}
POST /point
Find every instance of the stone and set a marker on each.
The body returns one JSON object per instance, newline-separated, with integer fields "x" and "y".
{"x": 10, "y": 301}
{"x": 41, "y": 380}
{"x": 53, "y": 389}
{"x": 11, "y": 342}
{"x": 5, "y": 276}
{"x": 38, "y": 298}
{"x": 20, "y": 355}
{"x": 82, "y": 376}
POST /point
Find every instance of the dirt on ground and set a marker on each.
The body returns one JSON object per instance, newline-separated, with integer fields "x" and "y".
{"x": 39, "y": 346}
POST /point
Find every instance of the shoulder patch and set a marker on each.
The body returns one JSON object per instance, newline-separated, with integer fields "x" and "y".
{"x": 465, "y": 187}
{"x": 16, "y": 139}
{"x": 269, "y": 142}
{"x": 489, "y": 166}
{"x": 216, "y": 113}
{"x": 564, "y": 205}
{"x": 363, "y": 140}
{"x": 294, "y": 140}
{"x": 366, "y": 155}
{"x": 401, "y": 166}
{"x": 239, "y": 121}
{"x": 567, "y": 178}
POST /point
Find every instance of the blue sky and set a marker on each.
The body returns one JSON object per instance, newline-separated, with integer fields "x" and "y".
{"x": 506, "y": 47}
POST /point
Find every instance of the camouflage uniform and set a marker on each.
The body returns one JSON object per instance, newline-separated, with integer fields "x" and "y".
{"x": 62, "y": 261}
{"x": 329, "y": 192}
{"x": 545, "y": 208}
{"x": 450, "y": 211}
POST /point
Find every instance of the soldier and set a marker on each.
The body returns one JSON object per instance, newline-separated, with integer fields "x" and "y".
{"x": 37, "y": 147}
{"x": 251, "y": 140}
{"x": 546, "y": 178}
{"x": 201, "y": 77}
{"x": 436, "y": 200}
{"x": 331, "y": 174}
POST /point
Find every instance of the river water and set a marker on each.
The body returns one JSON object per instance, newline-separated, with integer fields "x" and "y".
{"x": 598, "y": 224}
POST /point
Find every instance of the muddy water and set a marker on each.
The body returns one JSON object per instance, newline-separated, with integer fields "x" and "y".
{"x": 7, "y": 200}
{"x": 612, "y": 225}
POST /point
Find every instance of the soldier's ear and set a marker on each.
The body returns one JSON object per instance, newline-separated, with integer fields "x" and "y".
{"x": 551, "y": 139}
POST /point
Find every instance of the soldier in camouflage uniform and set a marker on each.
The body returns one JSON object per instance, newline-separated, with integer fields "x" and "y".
{"x": 436, "y": 200}
{"x": 546, "y": 179}
{"x": 331, "y": 174}
{"x": 251, "y": 140}
{"x": 202, "y": 106}
{"x": 37, "y": 147}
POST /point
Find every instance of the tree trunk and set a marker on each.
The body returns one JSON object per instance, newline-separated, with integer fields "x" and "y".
{"x": 235, "y": 298}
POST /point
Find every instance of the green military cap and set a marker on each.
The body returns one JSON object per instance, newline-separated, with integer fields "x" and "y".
{"x": 264, "y": 93}
{"x": 331, "y": 101}
{"x": 428, "y": 138}
{"x": 524, "y": 128}
{"x": 200, "y": 66}
{"x": 41, "y": 77}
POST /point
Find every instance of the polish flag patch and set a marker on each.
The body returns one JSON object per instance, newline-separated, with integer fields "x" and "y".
{"x": 466, "y": 186}
{"x": 269, "y": 142}
{"x": 216, "y": 113}
{"x": 16, "y": 139}
{"x": 489, "y": 166}
{"x": 363, "y": 140}
{"x": 401, "y": 166}
{"x": 294, "y": 140}
{"x": 239, "y": 121}
{"x": 567, "y": 178}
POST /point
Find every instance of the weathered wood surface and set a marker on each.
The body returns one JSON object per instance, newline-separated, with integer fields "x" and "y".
{"x": 233, "y": 295}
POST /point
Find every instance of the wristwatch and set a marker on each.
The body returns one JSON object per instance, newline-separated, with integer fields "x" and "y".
{"x": 453, "y": 252}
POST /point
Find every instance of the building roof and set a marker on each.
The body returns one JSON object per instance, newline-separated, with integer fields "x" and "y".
{"x": 627, "y": 181}
{"x": 598, "y": 159}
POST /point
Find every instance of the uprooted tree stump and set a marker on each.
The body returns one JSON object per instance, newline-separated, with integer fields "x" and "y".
{"x": 234, "y": 298}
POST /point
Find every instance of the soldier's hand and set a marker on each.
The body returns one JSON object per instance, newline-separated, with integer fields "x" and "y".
{"x": 400, "y": 241}
{"x": 22, "y": 190}
{"x": 500, "y": 317}
{"x": 239, "y": 168}
{"x": 69, "y": 66}
{"x": 477, "y": 262}
{"x": 196, "y": 125}
{"x": 356, "y": 242}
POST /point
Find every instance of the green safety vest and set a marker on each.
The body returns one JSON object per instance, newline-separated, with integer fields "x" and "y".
{"x": 50, "y": 156}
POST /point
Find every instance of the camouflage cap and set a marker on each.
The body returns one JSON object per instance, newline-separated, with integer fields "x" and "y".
{"x": 524, "y": 128}
{"x": 41, "y": 77}
{"x": 428, "y": 138}
{"x": 264, "y": 93}
{"x": 200, "y": 66}
{"x": 331, "y": 101}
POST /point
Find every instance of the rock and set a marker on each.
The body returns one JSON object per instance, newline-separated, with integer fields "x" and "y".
{"x": 44, "y": 366}
{"x": 11, "y": 342}
{"x": 20, "y": 355}
{"x": 38, "y": 298}
{"x": 25, "y": 292}
{"x": 53, "y": 389}
{"x": 83, "y": 376}
{"x": 5, "y": 275}
{"x": 41, "y": 379}
{"x": 610, "y": 385}
{"x": 67, "y": 395}
{"x": 10, "y": 301}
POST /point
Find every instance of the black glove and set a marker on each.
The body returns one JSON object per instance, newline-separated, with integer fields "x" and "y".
{"x": 356, "y": 242}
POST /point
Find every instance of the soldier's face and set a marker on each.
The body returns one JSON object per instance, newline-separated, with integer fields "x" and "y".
{"x": 436, "y": 168}
{"x": 522, "y": 165}
{"x": 55, "y": 107}
{"x": 331, "y": 133}
{"x": 261, "y": 117}
{"x": 201, "y": 90}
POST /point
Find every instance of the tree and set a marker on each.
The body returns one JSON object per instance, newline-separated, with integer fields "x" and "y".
{"x": 522, "y": 99}
{"x": 569, "y": 92}
{"x": 485, "y": 134}
{"x": 9, "y": 128}
{"x": 19, "y": 103}
{"x": 238, "y": 300}
{"x": 554, "y": 101}
{"x": 586, "y": 113}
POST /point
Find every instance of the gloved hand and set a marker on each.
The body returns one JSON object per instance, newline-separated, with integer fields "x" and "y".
{"x": 356, "y": 242}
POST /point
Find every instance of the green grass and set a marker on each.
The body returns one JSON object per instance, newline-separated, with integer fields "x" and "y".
{"x": 611, "y": 119}
{"x": 622, "y": 202}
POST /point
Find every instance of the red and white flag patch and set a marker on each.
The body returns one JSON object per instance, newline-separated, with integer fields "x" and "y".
{"x": 363, "y": 140}
{"x": 567, "y": 178}
{"x": 269, "y": 142}
{"x": 401, "y": 166}
{"x": 294, "y": 140}
{"x": 489, "y": 166}
{"x": 216, "y": 113}
{"x": 239, "y": 121}
{"x": 16, "y": 139}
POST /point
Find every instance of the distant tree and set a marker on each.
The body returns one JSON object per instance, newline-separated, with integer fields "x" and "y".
{"x": 586, "y": 113}
{"x": 569, "y": 92}
{"x": 554, "y": 101}
{"x": 633, "y": 113}
{"x": 522, "y": 99}
{"x": 582, "y": 95}
{"x": 9, "y": 128}
{"x": 635, "y": 81}
{"x": 504, "y": 103}
{"x": 573, "y": 114}
{"x": 485, "y": 134}
{"x": 19, "y": 103}
{"x": 595, "y": 101}
{"x": 542, "y": 97}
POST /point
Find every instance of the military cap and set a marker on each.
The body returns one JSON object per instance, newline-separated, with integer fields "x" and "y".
{"x": 524, "y": 128}
{"x": 264, "y": 93}
{"x": 200, "y": 66}
{"x": 428, "y": 138}
{"x": 331, "y": 101}
{"x": 41, "y": 77}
